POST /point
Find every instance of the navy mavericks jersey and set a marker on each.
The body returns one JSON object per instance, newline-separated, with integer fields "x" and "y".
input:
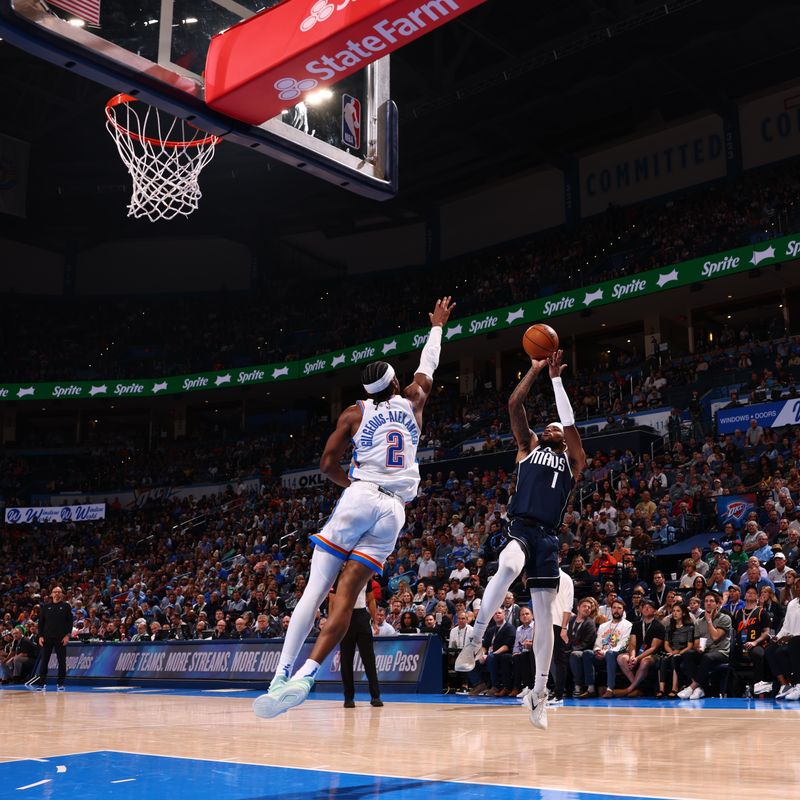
{"x": 544, "y": 483}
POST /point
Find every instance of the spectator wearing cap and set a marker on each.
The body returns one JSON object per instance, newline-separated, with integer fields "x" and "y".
{"x": 456, "y": 527}
{"x": 712, "y": 647}
{"x": 644, "y": 645}
{"x": 459, "y": 572}
{"x": 735, "y": 601}
{"x": 737, "y": 557}
{"x": 604, "y": 524}
{"x": 778, "y": 573}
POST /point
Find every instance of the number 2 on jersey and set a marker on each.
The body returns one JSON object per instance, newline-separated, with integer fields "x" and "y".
{"x": 395, "y": 457}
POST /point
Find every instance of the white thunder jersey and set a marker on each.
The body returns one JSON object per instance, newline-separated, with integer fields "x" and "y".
{"x": 385, "y": 447}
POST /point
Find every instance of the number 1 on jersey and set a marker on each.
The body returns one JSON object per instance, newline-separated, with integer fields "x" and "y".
{"x": 395, "y": 458}
{"x": 555, "y": 480}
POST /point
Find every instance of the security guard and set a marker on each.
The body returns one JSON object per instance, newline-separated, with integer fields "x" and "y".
{"x": 55, "y": 627}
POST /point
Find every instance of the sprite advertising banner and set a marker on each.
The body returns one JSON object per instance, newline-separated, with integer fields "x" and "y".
{"x": 399, "y": 659}
{"x": 542, "y": 309}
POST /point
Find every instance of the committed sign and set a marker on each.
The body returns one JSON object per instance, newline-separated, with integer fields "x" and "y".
{"x": 274, "y": 59}
{"x": 767, "y": 415}
{"x": 633, "y": 287}
{"x": 663, "y": 162}
{"x": 79, "y": 513}
{"x": 770, "y": 128}
{"x": 399, "y": 659}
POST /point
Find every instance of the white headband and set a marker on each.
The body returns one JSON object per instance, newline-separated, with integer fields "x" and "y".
{"x": 555, "y": 425}
{"x": 382, "y": 382}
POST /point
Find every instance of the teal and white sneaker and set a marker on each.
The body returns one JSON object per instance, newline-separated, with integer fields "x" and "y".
{"x": 263, "y": 704}
{"x": 282, "y": 696}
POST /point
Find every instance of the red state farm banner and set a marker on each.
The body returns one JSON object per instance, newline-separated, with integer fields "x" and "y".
{"x": 272, "y": 60}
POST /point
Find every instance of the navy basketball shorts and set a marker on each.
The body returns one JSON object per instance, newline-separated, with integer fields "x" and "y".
{"x": 540, "y": 546}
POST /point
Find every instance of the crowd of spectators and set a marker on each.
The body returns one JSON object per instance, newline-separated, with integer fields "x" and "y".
{"x": 121, "y": 338}
{"x": 234, "y": 565}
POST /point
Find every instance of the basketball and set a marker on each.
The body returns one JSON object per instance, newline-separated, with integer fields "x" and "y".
{"x": 540, "y": 341}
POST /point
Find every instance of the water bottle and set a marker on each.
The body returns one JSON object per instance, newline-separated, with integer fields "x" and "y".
{"x": 748, "y": 692}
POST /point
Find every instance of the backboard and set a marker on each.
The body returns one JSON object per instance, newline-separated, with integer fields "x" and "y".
{"x": 155, "y": 50}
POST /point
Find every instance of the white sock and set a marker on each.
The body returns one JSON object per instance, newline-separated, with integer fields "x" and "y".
{"x": 308, "y": 670}
{"x": 324, "y": 569}
{"x": 509, "y": 566}
{"x": 543, "y": 636}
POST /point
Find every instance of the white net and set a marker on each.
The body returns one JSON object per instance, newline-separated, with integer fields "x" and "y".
{"x": 164, "y": 158}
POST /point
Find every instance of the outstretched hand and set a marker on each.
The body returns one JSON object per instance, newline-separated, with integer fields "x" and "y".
{"x": 441, "y": 311}
{"x": 554, "y": 362}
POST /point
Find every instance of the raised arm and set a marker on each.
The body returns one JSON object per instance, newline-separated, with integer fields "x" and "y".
{"x": 577, "y": 458}
{"x": 526, "y": 439}
{"x": 419, "y": 391}
{"x": 337, "y": 444}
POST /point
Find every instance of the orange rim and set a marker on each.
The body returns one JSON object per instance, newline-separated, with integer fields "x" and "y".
{"x": 125, "y": 99}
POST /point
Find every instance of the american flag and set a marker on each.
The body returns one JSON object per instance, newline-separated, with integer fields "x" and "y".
{"x": 85, "y": 9}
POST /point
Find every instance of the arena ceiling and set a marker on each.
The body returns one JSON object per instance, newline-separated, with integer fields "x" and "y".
{"x": 508, "y": 87}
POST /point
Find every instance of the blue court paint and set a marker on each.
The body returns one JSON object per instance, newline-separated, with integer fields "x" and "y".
{"x": 125, "y": 776}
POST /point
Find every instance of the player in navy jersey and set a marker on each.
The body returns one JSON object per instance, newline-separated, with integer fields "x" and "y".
{"x": 546, "y": 467}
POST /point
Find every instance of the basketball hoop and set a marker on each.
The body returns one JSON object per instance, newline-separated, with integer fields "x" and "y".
{"x": 164, "y": 158}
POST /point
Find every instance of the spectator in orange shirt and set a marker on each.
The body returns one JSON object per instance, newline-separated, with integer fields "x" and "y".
{"x": 605, "y": 565}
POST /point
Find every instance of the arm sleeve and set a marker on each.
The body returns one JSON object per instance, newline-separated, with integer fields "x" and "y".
{"x": 429, "y": 358}
{"x": 565, "y": 413}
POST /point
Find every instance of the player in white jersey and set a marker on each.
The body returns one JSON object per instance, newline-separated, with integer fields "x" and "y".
{"x": 364, "y": 526}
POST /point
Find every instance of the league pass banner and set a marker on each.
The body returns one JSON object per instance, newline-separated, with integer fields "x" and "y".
{"x": 633, "y": 287}
{"x": 399, "y": 659}
{"x": 80, "y": 513}
{"x": 767, "y": 415}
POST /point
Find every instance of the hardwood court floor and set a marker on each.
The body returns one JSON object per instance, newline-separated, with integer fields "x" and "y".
{"x": 698, "y": 750}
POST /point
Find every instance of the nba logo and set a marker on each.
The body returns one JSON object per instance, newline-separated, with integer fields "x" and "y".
{"x": 351, "y": 122}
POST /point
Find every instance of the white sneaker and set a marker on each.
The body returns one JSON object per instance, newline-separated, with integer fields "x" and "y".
{"x": 783, "y": 691}
{"x": 762, "y": 687}
{"x": 283, "y": 694}
{"x": 523, "y": 694}
{"x": 465, "y": 661}
{"x": 794, "y": 694}
{"x": 537, "y": 709}
{"x": 697, "y": 694}
{"x": 685, "y": 694}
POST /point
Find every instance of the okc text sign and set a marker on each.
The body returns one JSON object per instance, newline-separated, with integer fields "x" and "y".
{"x": 272, "y": 60}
